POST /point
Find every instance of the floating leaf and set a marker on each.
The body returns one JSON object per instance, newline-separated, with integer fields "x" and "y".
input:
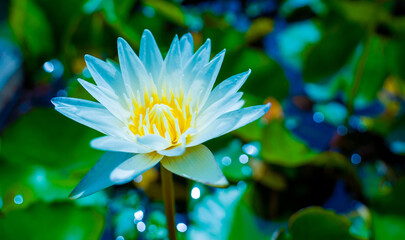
{"x": 388, "y": 227}
{"x": 53, "y": 221}
{"x": 44, "y": 137}
{"x": 282, "y": 148}
{"x": 168, "y": 9}
{"x": 31, "y": 27}
{"x": 267, "y": 77}
{"x": 317, "y": 223}
{"x": 332, "y": 52}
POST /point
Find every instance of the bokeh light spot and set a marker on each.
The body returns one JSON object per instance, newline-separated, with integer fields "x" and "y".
{"x": 355, "y": 159}
{"x": 181, "y": 227}
{"x": 195, "y": 193}
{"x": 226, "y": 161}
{"x": 243, "y": 158}
{"x": 141, "y": 226}
{"x": 138, "y": 215}
{"x": 18, "y": 199}
{"x": 318, "y": 117}
{"x": 342, "y": 130}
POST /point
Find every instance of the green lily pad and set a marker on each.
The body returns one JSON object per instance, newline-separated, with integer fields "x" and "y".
{"x": 53, "y": 221}
{"x": 282, "y": 148}
{"x": 47, "y": 138}
{"x": 317, "y": 223}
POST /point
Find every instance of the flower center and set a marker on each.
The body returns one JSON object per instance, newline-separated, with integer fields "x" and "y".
{"x": 167, "y": 115}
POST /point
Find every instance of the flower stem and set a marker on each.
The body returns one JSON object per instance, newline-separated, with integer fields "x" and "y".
{"x": 168, "y": 198}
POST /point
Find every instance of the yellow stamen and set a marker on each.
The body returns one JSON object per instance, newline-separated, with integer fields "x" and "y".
{"x": 160, "y": 114}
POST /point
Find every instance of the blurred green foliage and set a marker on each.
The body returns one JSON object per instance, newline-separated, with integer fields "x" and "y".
{"x": 288, "y": 188}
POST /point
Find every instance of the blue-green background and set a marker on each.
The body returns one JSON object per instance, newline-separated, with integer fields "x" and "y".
{"x": 327, "y": 161}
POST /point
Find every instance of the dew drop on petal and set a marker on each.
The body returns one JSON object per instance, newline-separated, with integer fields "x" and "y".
{"x": 120, "y": 238}
{"x": 195, "y": 193}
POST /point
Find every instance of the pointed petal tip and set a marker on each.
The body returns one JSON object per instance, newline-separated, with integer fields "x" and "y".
{"x": 147, "y": 34}
{"x": 267, "y": 106}
{"x": 88, "y": 57}
{"x": 187, "y": 35}
{"x": 147, "y": 31}
{"x": 222, "y": 183}
{"x": 75, "y": 195}
{"x": 121, "y": 43}
{"x": 55, "y": 101}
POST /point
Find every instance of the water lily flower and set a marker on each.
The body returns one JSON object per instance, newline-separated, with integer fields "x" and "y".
{"x": 158, "y": 110}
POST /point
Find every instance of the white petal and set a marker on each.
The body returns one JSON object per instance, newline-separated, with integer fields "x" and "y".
{"x": 114, "y": 168}
{"x": 133, "y": 71}
{"x": 107, "y": 98}
{"x": 150, "y": 55}
{"x": 89, "y": 113}
{"x": 229, "y": 122}
{"x": 205, "y": 79}
{"x": 175, "y": 151}
{"x": 171, "y": 73}
{"x": 105, "y": 75}
{"x": 186, "y": 47}
{"x": 198, "y": 164}
{"x": 196, "y": 62}
{"x": 220, "y": 107}
{"x": 181, "y": 147}
{"x": 227, "y": 88}
{"x": 114, "y": 144}
{"x": 154, "y": 141}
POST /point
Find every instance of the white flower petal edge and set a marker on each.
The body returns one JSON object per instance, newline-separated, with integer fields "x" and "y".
{"x": 91, "y": 114}
{"x": 229, "y": 122}
{"x": 114, "y": 168}
{"x": 198, "y": 164}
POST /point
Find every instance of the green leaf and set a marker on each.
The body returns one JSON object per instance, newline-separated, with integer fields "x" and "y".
{"x": 332, "y": 52}
{"x": 267, "y": 77}
{"x": 233, "y": 169}
{"x": 47, "y": 138}
{"x": 317, "y": 223}
{"x": 363, "y": 12}
{"x": 53, "y": 221}
{"x": 31, "y": 27}
{"x": 388, "y": 227}
{"x": 248, "y": 226}
{"x": 391, "y": 202}
{"x": 167, "y": 9}
{"x": 374, "y": 72}
{"x": 282, "y": 148}
{"x": 396, "y": 57}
